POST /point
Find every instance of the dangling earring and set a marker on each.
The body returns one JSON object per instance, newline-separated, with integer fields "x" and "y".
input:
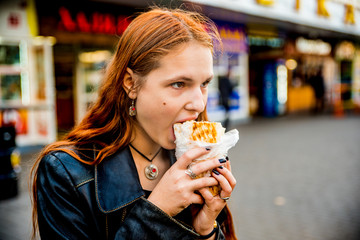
{"x": 132, "y": 110}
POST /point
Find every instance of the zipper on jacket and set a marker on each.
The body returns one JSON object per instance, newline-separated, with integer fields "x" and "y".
{"x": 123, "y": 215}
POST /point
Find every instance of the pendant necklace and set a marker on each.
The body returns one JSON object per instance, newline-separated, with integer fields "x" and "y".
{"x": 151, "y": 170}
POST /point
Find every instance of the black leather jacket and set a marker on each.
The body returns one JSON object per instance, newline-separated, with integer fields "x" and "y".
{"x": 105, "y": 201}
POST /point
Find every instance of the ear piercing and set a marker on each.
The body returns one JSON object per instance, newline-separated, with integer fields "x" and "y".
{"x": 132, "y": 109}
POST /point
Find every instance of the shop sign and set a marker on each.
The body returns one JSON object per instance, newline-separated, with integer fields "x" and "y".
{"x": 316, "y": 47}
{"x": 272, "y": 42}
{"x": 17, "y": 19}
{"x": 234, "y": 39}
{"x": 265, "y": 2}
{"x": 103, "y": 23}
{"x": 349, "y": 5}
{"x": 333, "y": 15}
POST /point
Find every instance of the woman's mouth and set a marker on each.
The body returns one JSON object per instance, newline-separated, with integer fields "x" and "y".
{"x": 173, "y": 133}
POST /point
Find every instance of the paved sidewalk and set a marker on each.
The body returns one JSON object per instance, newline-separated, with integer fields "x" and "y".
{"x": 15, "y": 213}
{"x": 298, "y": 178}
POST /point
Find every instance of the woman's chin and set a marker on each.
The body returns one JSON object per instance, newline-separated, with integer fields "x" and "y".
{"x": 169, "y": 146}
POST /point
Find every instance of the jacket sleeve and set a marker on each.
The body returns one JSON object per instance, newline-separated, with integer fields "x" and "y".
{"x": 60, "y": 212}
{"x": 147, "y": 221}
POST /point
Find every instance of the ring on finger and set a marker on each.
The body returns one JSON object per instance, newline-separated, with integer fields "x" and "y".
{"x": 190, "y": 172}
{"x": 225, "y": 198}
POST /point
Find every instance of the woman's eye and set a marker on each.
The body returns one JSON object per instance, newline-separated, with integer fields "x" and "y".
{"x": 205, "y": 84}
{"x": 178, "y": 84}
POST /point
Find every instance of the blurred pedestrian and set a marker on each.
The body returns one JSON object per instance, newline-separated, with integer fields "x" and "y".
{"x": 317, "y": 83}
{"x": 225, "y": 89}
{"x": 114, "y": 176}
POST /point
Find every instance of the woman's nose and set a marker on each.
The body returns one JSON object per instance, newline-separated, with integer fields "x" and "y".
{"x": 197, "y": 101}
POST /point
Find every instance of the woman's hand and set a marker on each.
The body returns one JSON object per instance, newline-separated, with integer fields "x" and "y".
{"x": 204, "y": 219}
{"x": 176, "y": 190}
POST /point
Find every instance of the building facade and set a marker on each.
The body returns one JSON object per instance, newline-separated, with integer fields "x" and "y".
{"x": 289, "y": 41}
{"x": 53, "y": 55}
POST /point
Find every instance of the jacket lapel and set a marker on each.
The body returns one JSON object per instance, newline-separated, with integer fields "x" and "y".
{"x": 117, "y": 182}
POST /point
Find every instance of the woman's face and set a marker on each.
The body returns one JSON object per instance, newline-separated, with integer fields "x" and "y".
{"x": 175, "y": 92}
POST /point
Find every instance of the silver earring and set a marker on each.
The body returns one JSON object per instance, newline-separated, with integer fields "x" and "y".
{"x": 132, "y": 110}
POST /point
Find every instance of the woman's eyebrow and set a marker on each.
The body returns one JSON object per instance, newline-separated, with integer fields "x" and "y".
{"x": 210, "y": 78}
{"x": 186, "y": 78}
{"x": 180, "y": 77}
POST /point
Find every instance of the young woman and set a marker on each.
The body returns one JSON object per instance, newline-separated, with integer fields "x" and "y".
{"x": 114, "y": 176}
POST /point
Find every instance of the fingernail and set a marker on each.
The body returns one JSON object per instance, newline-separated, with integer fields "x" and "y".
{"x": 221, "y": 167}
{"x": 227, "y": 158}
{"x": 216, "y": 172}
{"x": 208, "y": 148}
{"x": 222, "y": 160}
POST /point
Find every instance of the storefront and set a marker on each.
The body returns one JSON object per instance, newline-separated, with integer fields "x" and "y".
{"x": 85, "y": 40}
{"x": 312, "y": 74}
{"x": 290, "y": 73}
{"x": 288, "y": 40}
{"x": 346, "y": 86}
{"x": 26, "y": 76}
{"x": 232, "y": 63}
{"x": 267, "y": 78}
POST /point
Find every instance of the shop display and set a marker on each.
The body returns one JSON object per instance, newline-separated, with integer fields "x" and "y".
{"x": 25, "y": 81}
{"x": 10, "y": 88}
{"x": 90, "y": 71}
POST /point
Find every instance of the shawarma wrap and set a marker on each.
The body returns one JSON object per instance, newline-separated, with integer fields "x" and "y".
{"x": 191, "y": 134}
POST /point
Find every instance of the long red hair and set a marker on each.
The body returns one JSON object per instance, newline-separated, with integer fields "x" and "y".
{"x": 150, "y": 36}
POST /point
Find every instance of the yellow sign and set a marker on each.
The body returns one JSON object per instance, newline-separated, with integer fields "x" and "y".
{"x": 321, "y": 10}
{"x": 350, "y": 7}
{"x": 266, "y": 2}
{"x": 349, "y": 14}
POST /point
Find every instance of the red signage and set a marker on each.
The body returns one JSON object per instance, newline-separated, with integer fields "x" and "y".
{"x": 14, "y": 20}
{"x": 104, "y": 23}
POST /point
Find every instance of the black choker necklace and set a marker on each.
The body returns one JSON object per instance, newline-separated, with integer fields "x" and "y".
{"x": 151, "y": 170}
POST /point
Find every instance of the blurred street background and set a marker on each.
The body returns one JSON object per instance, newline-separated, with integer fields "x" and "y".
{"x": 288, "y": 78}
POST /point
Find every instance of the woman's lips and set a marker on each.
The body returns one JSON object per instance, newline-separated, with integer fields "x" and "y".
{"x": 173, "y": 133}
{"x": 193, "y": 118}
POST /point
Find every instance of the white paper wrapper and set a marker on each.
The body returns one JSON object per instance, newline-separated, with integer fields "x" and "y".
{"x": 218, "y": 150}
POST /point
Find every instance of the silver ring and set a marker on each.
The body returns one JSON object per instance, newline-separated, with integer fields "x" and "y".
{"x": 190, "y": 173}
{"x": 225, "y": 198}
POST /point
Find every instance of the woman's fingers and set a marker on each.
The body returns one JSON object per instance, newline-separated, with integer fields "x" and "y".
{"x": 203, "y": 182}
{"x": 226, "y": 181}
{"x": 206, "y": 194}
{"x": 197, "y": 199}
{"x": 225, "y": 172}
{"x": 206, "y": 165}
{"x": 185, "y": 160}
{"x": 227, "y": 164}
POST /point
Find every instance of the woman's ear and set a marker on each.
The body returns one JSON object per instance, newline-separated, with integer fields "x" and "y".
{"x": 129, "y": 83}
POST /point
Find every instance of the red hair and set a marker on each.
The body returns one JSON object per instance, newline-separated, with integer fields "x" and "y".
{"x": 150, "y": 36}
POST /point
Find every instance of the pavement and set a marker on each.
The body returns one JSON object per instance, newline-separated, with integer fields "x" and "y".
{"x": 15, "y": 213}
{"x": 297, "y": 179}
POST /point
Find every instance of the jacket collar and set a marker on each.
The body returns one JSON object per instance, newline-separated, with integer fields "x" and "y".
{"x": 117, "y": 181}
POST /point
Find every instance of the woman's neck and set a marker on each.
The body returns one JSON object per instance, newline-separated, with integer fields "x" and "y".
{"x": 142, "y": 142}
